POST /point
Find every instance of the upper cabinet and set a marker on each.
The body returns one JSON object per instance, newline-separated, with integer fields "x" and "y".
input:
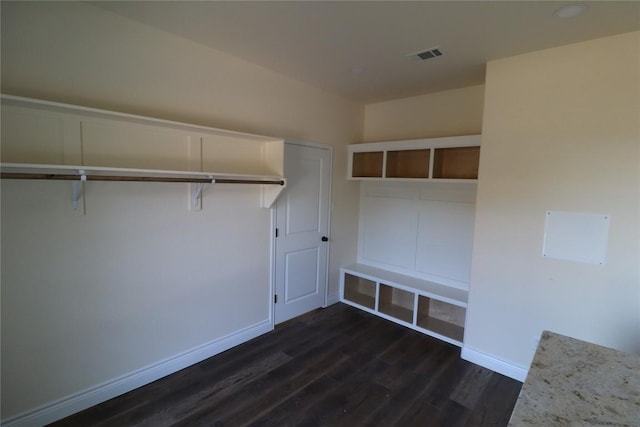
{"x": 452, "y": 159}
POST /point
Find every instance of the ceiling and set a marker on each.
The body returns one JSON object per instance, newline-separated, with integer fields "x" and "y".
{"x": 358, "y": 49}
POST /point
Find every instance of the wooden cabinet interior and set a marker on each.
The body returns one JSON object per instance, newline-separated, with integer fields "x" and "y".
{"x": 368, "y": 164}
{"x": 408, "y": 163}
{"x": 441, "y": 317}
{"x": 360, "y": 291}
{"x": 446, "y": 158}
{"x": 456, "y": 162}
{"x": 396, "y": 302}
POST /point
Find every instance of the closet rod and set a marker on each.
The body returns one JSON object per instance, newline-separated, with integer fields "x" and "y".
{"x": 12, "y": 175}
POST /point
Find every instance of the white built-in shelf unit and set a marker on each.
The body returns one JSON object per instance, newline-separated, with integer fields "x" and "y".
{"x": 431, "y": 159}
{"x": 417, "y": 207}
{"x": 54, "y": 141}
{"x": 431, "y": 308}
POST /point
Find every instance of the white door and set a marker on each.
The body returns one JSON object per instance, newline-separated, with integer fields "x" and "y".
{"x": 302, "y": 223}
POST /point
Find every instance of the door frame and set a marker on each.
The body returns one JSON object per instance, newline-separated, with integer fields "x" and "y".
{"x": 272, "y": 257}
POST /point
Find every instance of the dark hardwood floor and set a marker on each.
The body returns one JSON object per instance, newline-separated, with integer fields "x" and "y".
{"x": 333, "y": 367}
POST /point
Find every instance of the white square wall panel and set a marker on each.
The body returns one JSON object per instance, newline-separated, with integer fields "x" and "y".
{"x": 580, "y": 237}
{"x": 445, "y": 239}
{"x": 388, "y": 232}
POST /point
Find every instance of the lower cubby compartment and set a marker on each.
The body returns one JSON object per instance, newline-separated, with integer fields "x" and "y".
{"x": 441, "y": 317}
{"x": 431, "y": 308}
{"x": 396, "y": 303}
{"x": 360, "y": 290}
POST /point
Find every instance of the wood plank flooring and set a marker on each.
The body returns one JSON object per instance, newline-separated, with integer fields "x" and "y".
{"x": 333, "y": 367}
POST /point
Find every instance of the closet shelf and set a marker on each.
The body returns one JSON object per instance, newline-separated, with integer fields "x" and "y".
{"x": 96, "y": 173}
{"x": 44, "y": 140}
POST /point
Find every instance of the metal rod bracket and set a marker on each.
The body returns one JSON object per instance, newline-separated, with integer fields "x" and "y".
{"x": 77, "y": 191}
{"x": 197, "y": 190}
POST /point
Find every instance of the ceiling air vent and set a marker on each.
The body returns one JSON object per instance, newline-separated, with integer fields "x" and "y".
{"x": 434, "y": 52}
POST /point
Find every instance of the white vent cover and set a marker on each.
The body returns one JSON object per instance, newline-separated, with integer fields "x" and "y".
{"x": 432, "y": 53}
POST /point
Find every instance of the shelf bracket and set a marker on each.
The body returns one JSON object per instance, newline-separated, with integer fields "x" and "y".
{"x": 196, "y": 191}
{"x": 77, "y": 193}
{"x": 269, "y": 194}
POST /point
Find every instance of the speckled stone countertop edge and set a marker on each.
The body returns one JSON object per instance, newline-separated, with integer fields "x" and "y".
{"x": 576, "y": 383}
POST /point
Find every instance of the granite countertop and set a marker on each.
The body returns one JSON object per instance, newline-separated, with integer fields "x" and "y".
{"x": 576, "y": 383}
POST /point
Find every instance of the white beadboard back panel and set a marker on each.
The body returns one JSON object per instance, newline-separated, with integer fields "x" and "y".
{"x": 445, "y": 239}
{"x": 389, "y": 226}
{"x": 419, "y": 229}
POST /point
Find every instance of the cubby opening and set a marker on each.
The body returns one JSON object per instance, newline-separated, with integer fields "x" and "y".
{"x": 408, "y": 163}
{"x": 367, "y": 164}
{"x": 360, "y": 291}
{"x": 456, "y": 162}
{"x": 441, "y": 317}
{"x": 396, "y": 303}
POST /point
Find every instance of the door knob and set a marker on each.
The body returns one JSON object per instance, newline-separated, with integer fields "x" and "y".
{"x": 325, "y": 239}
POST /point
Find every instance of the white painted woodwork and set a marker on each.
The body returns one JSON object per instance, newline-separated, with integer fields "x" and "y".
{"x": 43, "y": 144}
{"x": 42, "y": 132}
{"x": 31, "y": 135}
{"x": 132, "y": 145}
{"x": 431, "y": 308}
{"x": 412, "y": 144}
{"x": 389, "y": 231}
{"x": 445, "y": 239}
{"x": 114, "y": 139}
{"x": 415, "y": 237}
{"x": 302, "y": 219}
{"x": 424, "y": 287}
{"x": 231, "y": 155}
{"x": 418, "y": 229}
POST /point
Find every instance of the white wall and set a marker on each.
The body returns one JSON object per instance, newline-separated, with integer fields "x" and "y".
{"x": 139, "y": 278}
{"x": 561, "y": 132}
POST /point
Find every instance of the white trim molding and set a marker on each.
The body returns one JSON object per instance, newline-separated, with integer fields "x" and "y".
{"x": 333, "y": 299}
{"x": 92, "y": 396}
{"x": 495, "y": 364}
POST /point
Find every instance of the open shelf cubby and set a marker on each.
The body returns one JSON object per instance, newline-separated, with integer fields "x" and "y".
{"x": 396, "y": 303}
{"x": 441, "y": 317}
{"x": 452, "y": 158}
{"x": 456, "y": 162}
{"x": 368, "y": 164}
{"x": 408, "y": 163}
{"x": 439, "y": 310}
{"x": 360, "y": 291}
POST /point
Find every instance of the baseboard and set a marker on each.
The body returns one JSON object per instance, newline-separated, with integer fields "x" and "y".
{"x": 493, "y": 363}
{"x": 333, "y": 299}
{"x": 79, "y": 401}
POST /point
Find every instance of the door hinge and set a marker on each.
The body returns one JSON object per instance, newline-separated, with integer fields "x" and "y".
{"x": 276, "y": 232}
{"x": 275, "y": 299}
